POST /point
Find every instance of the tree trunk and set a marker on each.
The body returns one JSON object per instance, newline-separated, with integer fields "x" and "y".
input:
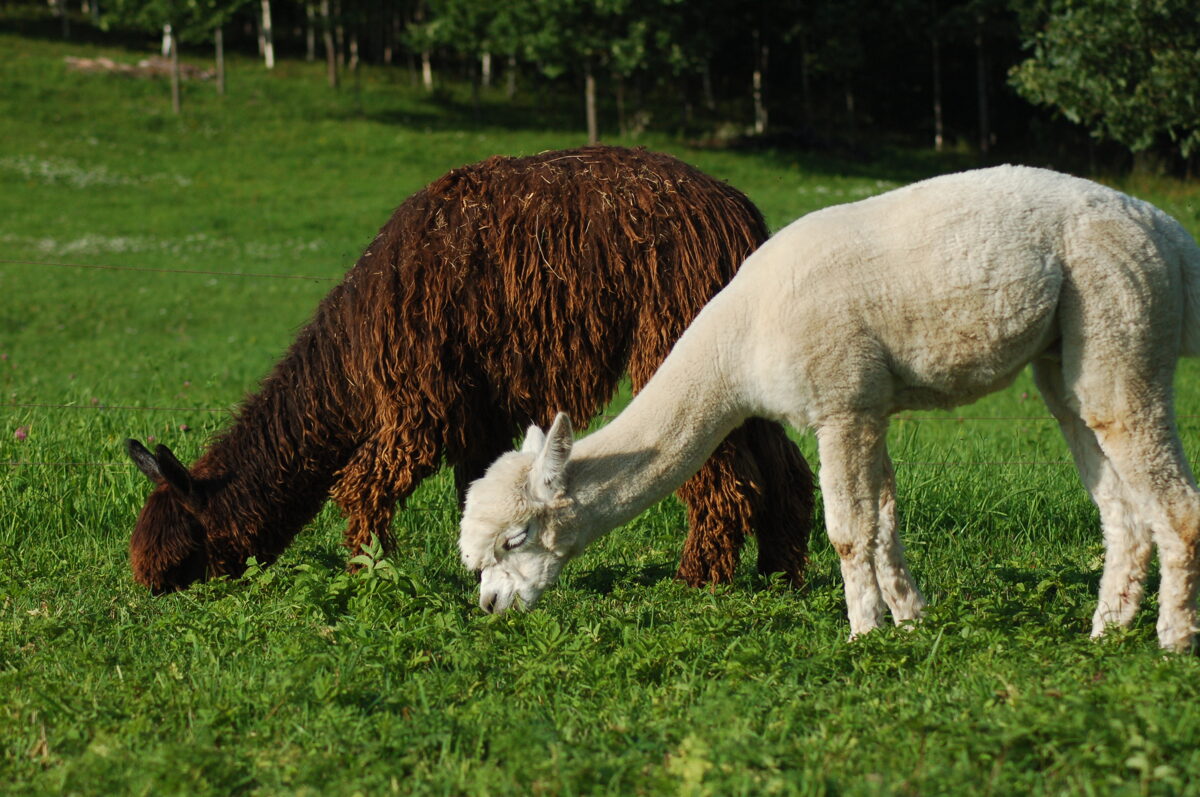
{"x": 474, "y": 77}
{"x": 426, "y": 70}
{"x": 219, "y": 41}
{"x": 268, "y": 41}
{"x": 706, "y": 86}
{"x": 589, "y": 98}
{"x": 510, "y": 89}
{"x": 485, "y": 68}
{"x": 353, "y": 64}
{"x": 619, "y": 89}
{"x": 805, "y": 82}
{"x": 851, "y": 116}
{"x": 985, "y": 132}
{"x": 61, "y": 7}
{"x": 310, "y": 32}
{"x": 339, "y": 35}
{"x": 166, "y": 41}
{"x": 390, "y": 39}
{"x": 331, "y": 69}
{"x": 758, "y": 84}
{"x": 939, "y": 139}
{"x": 176, "y": 102}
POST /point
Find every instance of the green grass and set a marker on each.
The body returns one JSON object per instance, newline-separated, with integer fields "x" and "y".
{"x": 302, "y": 678}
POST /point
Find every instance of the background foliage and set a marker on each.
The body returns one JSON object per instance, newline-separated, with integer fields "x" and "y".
{"x": 1127, "y": 71}
{"x": 1085, "y": 82}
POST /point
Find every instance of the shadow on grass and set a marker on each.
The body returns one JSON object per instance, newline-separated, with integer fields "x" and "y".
{"x": 601, "y": 580}
{"x": 1039, "y": 577}
{"x": 444, "y": 111}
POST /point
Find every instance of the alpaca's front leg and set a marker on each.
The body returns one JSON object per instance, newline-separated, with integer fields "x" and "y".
{"x": 719, "y": 513}
{"x": 381, "y": 474}
{"x": 851, "y": 479}
{"x": 899, "y": 590}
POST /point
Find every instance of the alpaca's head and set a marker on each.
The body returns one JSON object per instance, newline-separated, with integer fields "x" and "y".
{"x": 168, "y": 549}
{"x": 514, "y": 531}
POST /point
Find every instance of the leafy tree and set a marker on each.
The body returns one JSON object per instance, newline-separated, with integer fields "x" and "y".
{"x": 181, "y": 20}
{"x": 465, "y": 27}
{"x": 1129, "y": 70}
{"x": 586, "y": 37}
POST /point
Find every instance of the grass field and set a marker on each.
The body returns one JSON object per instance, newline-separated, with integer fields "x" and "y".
{"x": 304, "y": 679}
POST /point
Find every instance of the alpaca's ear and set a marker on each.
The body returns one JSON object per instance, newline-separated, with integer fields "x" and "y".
{"x": 535, "y": 439}
{"x": 172, "y": 470}
{"x": 549, "y": 473}
{"x": 144, "y": 460}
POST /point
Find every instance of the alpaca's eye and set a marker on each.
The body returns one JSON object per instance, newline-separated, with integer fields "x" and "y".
{"x": 516, "y": 540}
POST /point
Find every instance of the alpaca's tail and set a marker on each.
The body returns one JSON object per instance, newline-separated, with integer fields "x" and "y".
{"x": 1189, "y": 257}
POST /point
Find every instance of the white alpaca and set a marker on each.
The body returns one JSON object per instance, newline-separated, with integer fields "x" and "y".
{"x": 929, "y": 296}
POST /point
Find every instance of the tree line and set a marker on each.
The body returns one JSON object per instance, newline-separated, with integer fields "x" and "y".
{"x": 1115, "y": 76}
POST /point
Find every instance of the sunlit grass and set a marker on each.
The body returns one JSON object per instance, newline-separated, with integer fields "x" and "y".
{"x": 303, "y": 678}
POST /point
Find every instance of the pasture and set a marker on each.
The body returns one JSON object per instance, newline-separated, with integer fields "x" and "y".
{"x": 301, "y": 678}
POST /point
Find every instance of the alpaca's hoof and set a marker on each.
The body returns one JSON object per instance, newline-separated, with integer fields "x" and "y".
{"x": 855, "y": 635}
{"x": 1176, "y": 640}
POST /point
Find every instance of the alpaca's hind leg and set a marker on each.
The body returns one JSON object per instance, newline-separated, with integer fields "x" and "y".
{"x": 1146, "y": 455}
{"x": 783, "y": 502}
{"x": 1127, "y": 540}
{"x": 756, "y": 481}
{"x": 1132, "y": 420}
{"x": 851, "y": 477}
{"x": 382, "y": 473}
{"x": 899, "y": 590}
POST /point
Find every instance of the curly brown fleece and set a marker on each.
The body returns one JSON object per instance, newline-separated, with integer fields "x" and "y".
{"x": 501, "y": 293}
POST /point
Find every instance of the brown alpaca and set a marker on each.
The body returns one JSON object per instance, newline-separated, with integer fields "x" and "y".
{"x": 500, "y": 293}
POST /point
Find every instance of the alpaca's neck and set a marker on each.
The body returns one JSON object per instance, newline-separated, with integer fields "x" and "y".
{"x": 663, "y": 437}
{"x": 279, "y": 443}
{"x": 276, "y": 464}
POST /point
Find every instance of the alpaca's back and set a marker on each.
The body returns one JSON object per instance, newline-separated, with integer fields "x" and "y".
{"x": 514, "y": 288}
{"x": 942, "y": 291}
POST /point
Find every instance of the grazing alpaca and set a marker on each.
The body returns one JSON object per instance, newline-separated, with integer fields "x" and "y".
{"x": 442, "y": 343}
{"x": 929, "y": 296}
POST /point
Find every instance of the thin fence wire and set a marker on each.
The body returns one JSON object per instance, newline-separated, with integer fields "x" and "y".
{"x": 309, "y": 277}
{"x": 112, "y": 407}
